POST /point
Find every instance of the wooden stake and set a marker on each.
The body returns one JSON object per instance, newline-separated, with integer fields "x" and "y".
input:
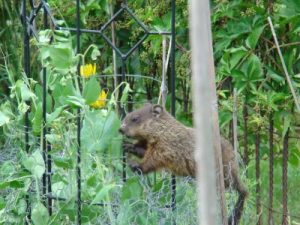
{"x": 208, "y": 149}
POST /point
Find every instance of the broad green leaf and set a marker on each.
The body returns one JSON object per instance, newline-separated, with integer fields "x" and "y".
{"x": 12, "y": 183}
{"x": 2, "y": 203}
{"x": 225, "y": 117}
{"x": 23, "y": 107}
{"x": 293, "y": 159}
{"x": 125, "y": 93}
{"x": 7, "y": 169}
{"x": 75, "y": 101}
{"x": 132, "y": 189}
{"x": 115, "y": 146}
{"x": 52, "y": 116}
{"x": 162, "y": 24}
{"x": 236, "y": 54}
{"x": 162, "y": 186}
{"x": 39, "y": 93}
{"x": 253, "y": 38}
{"x": 110, "y": 129}
{"x": 37, "y": 120}
{"x": 222, "y": 44}
{"x": 88, "y": 214}
{"x": 22, "y": 206}
{"x": 58, "y": 188}
{"x": 92, "y": 181}
{"x": 45, "y": 36}
{"x": 98, "y": 130}
{"x": 61, "y": 57}
{"x": 61, "y": 35}
{"x": 91, "y": 90}
{"x": 35, "y": 164}
{"x": 16, "y": 184}
{"x": 40, "y": 215}
{"x": 62, "y": 89}
{"x": 63, "y": 162}
{"x": 95, "y": 53}
{"x": 104, "y": 191}
{"x": 254, "y": 68}
{"x": 4, "y": 119}
{"x": 53, "y": 138}
{"x": 289, "y": 8}
{"x": 274, "y": 76}
{"x": 25, "y": 93}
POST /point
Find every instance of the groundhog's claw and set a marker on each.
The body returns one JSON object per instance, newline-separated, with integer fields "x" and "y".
{"x": 137, "y": 149}
{"x": 127, "y": 147}
{"x": 136, "y": 168}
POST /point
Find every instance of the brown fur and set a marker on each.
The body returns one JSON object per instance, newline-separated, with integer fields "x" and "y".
{"x": 164, "y": 143}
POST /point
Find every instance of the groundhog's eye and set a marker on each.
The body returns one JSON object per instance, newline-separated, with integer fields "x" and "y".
{"x": 135, "y": 119}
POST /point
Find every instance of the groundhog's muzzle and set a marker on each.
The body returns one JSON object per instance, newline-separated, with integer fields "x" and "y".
{"x": 122, "y": 129}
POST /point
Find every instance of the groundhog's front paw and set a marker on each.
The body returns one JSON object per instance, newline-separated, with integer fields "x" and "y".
{"x": 127, "y": 146}
{"x": 135, "y": 167}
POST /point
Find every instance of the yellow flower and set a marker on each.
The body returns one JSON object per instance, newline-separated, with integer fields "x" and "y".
{"x": 101, "y": 101}
{"x": 87, "y": 70}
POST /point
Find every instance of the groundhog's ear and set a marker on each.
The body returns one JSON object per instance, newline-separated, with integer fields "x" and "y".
{"x": 157, "y": 110}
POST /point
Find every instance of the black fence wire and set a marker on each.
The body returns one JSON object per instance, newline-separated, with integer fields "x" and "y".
{"x": 49, "y": 21}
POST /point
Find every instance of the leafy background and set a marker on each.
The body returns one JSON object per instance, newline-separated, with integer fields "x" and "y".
{"x": 245, "y": 59}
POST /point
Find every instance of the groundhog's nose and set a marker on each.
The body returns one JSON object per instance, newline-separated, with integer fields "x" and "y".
{"x": 122, "y": 128}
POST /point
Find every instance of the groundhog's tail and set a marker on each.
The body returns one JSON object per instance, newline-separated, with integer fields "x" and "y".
{"x": 237, "y": 212}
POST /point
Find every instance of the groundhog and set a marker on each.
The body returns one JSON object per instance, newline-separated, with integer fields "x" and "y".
{"x": 165, "y": 143}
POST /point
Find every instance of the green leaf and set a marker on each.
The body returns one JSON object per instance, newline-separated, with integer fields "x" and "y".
{"x": 63, "y": 162}
{"x": 225, "y": 117}
{"x": 95, "y": 53}
{"x": 98, "y": 130}
{"x": 92, "y": 181}
{"x": 61, "y": 57}
{"x": 293, "y": 159}
{"x": 162, "y": 186}
{"x": 2, "y": 203}
{"x": 114, "y": 148}
{"x": 253, "y": 38}
{"x": 88, "y": 214}
{"x": 25, "y": 93}
{"x": 91, "y": 90}
{"x": 37, "y": 120}
{"x": 254, "y": 68}
{"x": 38, "y": 90}
{"x": 236, "y": 54}
{"x": 58, "y": 188}
{"x": 40, "y": 214}
{"x": 101, "y": 195}
{"x": 274, "y": 76}
{"x": 53, "y": 138}
{"x": 286, "y": 124}
{"x": 125, "y": 93}
{"x": 35, "y": 164}
{"x": 14, "y": 183}
{"x": 289, "y": 8}
{"x": 75, "y": 101}
{"x": 62, "y": 89}
{"x": 51, "y": 117}
{"x": 4, "y": 119}
{"x": 132, "y": 189}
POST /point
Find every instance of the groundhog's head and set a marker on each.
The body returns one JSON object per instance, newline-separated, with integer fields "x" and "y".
{"x": 141, "y": 122}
